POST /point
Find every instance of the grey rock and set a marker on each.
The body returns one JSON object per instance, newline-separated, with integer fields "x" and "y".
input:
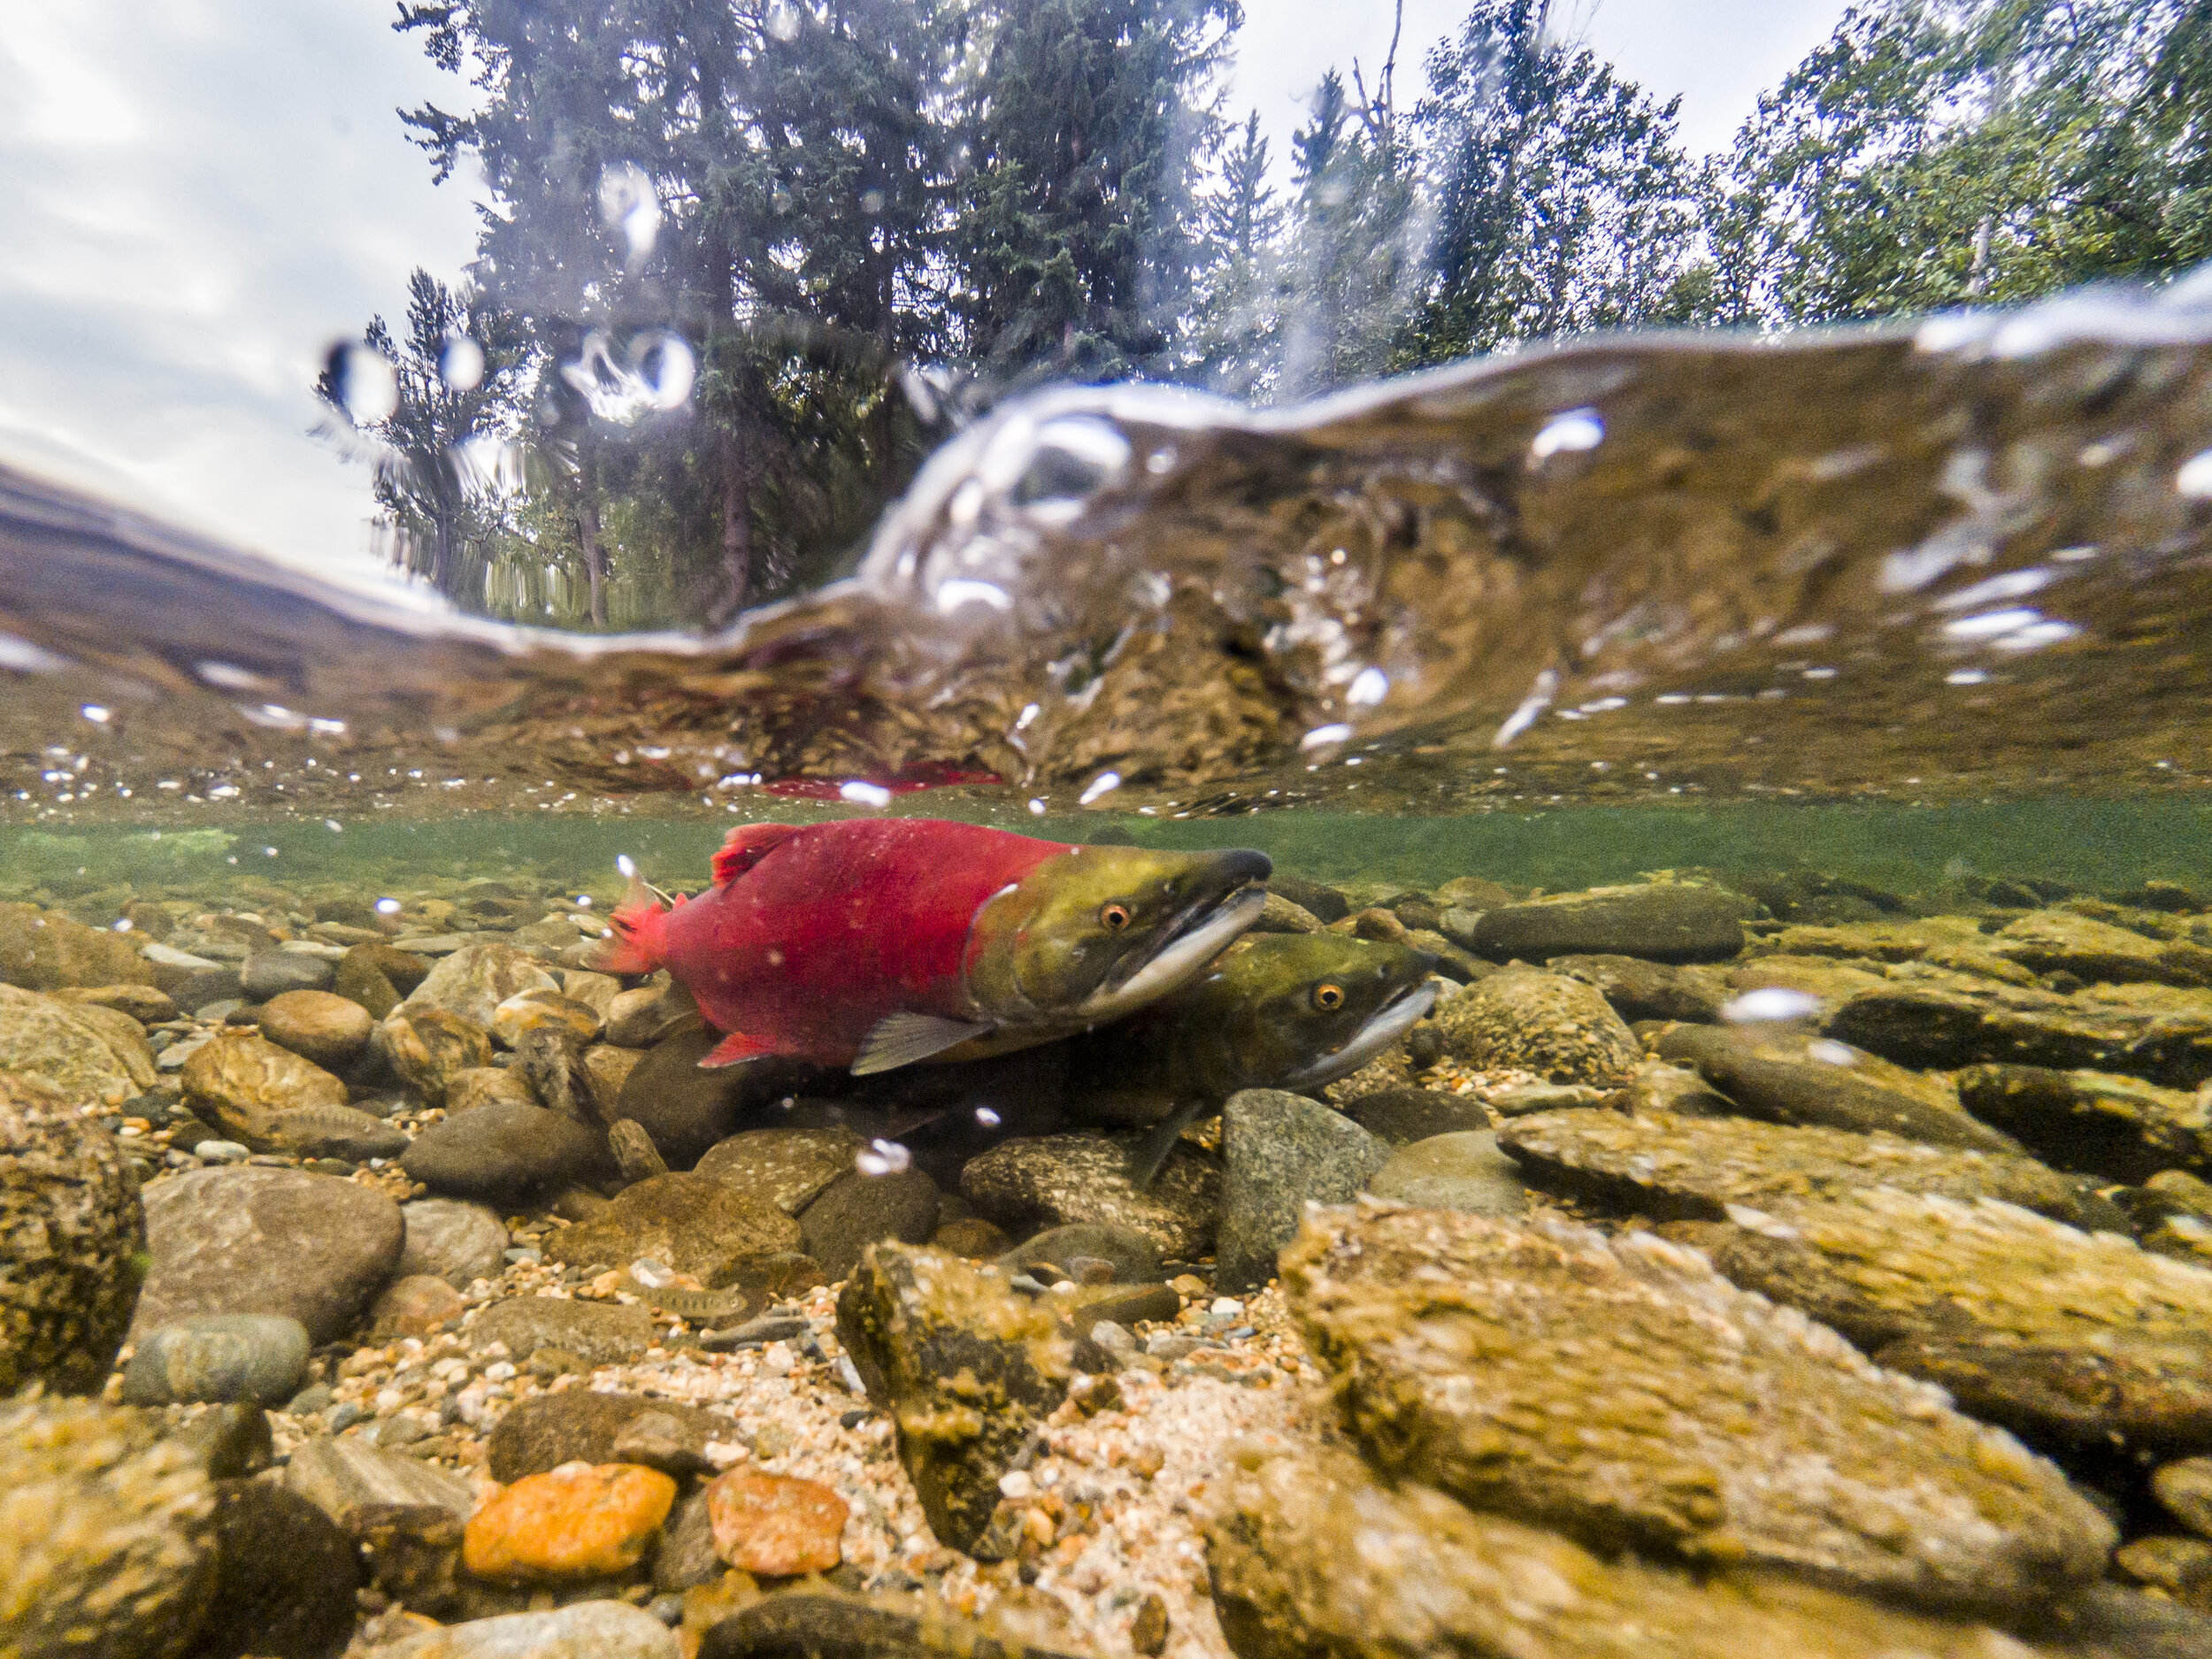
{"x": 311, "y": 1248}
{"x": 1399, "y": 1117}
{"x": 71, "y": 1229}
{"x": 474, "y": 980}
{"x": 790, "y": 1168}
{"x": 687, "y": 1111}
{"x": 106, "y": 1532}
{"x": 584, "y": 1630}
{"x": 598, "y": 1333}
{"x": 1783, "y": 1078}
{"x": 1527, "y": 1020}
{"x": 1028, "y": 1183}
{"x": 339, "y": 1475}
{"x": 245, "y": 1356}
{"x": 1278, "y": 1152}
{"x": 583, "y": 1425}
{"x": 1661, "y": 922}
{"x": 858, "y": 1209}
{"x": 455, "y": 1241}
{"x": 933, "y": 1337}
{"x": 1133, "y": 1258}
{"x": 1464, "y": 1171}
{"x": 268, "y": 973}
{"x": 641, "y": 1017}
{"x": 686, "y": 1555}
{"x": 286, "y": 1577}
{"x": 1639, "y": 989}
{"x": 633, "y": 1151}
{"x": 505, "y": 1153}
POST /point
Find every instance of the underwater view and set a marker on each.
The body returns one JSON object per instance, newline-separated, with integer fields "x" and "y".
{"x": 959, "y": 868}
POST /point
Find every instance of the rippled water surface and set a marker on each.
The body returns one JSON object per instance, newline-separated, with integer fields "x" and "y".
{"x": 1918, "y": 604}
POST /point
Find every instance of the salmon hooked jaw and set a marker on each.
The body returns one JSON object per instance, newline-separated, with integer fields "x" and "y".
{"x": 1392, "y": 1022}
{"x": 1192, "y": 939}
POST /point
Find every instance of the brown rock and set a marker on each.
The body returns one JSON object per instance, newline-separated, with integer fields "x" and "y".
{"x": 241, "y": 1082}
{"x": 43, "y": 951}
{"x": 776, "y": 1526}
{"x": 329, "y": 1030}
{"x": 147, "y": 1004}
{"x": 376, "y": 976}
{"x": 54, "y": 1042}
{"x": 471, "y": 982}
{"x": 541, "y": 1010}
{"x": 691, "y": 1223}
{"x": 478, "y": 1086}
{"x": 580, "y": 1521}
{"x": 789, "y": 1168}
{"x": 585, "y": 1425}
{"x": 606, "y": 1069}
{"x": 1559, "y": 1028}
{"x": 412, "y": 1551}
{"x": 415, "y": 1306}
{"x": 2182, "y": 1567}
{"x": 429, "y": 1046}
{"x": 644, "y": 1017}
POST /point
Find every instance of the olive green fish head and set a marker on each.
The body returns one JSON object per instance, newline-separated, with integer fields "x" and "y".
{"x": 1100, "y": 931}
{"x": 1291, "y": 1010}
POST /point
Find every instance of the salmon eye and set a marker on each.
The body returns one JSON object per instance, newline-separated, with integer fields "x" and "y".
{"x": 1328, "y": 998}
{"x": 1114, "y": 918}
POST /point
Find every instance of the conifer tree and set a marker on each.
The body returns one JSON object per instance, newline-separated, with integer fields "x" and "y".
{"x": 1236, "y": 340}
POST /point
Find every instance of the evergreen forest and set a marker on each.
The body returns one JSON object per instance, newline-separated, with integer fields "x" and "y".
{"x": 744, "y": 263}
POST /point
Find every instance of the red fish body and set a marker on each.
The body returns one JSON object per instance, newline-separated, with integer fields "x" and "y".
{"x": 860, "y": 944}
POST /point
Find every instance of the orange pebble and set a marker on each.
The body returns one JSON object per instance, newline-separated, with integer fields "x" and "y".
{"x": 776, "y": 1526}
{"x": 577, "y": 1521}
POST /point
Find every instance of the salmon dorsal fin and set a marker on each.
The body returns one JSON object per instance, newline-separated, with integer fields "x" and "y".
{"x": 732, "y": 1050}
{"x": 743, "y": 848}
{"x": 901, "y": 1039}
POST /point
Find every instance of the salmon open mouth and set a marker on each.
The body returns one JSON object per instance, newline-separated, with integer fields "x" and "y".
{"x": 1185, "y": 942}
{"x": 1383, "y": 1027}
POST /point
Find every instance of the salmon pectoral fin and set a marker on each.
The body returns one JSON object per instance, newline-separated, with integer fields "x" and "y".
{"x": 732, "y": 1049}
{"x": 902, "y": 1039}
{"x": 743, "y": 848}
{"x": 1152, "y": 1148}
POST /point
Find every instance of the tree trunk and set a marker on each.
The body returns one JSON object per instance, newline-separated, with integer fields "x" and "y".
{"x": 587, "y": 532}
{"x": 737, "y": 525}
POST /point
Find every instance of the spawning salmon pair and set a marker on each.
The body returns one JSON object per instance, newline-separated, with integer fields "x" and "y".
{"x": 873, "y": 944}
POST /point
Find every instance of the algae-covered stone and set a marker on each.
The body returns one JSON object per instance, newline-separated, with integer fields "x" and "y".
{"x": 860, "y": 1208}
{"x": 2065, "y": 1335}
{"x": 51, "y": 1040}
{"x": 1786, "y": 1078}
{"x": 1660, "y": 921}
{"x": 1027, "y": 1184}
{"x": 2119, "y": 1127}
{"x": 43, "y": 951}
{"x": 1559, "y": 1028}
{"x": 1626, "y": 1394}
{"x": 72, "y": 1236}
{"x": 506, "y": 1152}
{"x": 2160, "y": 1033}
{"x": 789, "y": 1168}
{"x": 285, "y": 1588}
{"x": 824, "y": 1624}
{"x": 1668, "y": 1167}
{"x": 1639, "y": 989}
{"x": 1310, "y": 1556}
{"x": 578, "y": 1425}
{"x": 106, "y": 1540}
{"x": 691, "y": 1223}
{"x": 2051, "y": 942}
{"x": 967, "y": 1369}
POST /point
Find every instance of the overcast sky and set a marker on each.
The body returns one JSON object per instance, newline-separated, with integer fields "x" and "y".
{"x": 198, "y": 196}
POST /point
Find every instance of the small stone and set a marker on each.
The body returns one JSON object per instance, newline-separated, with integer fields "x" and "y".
{"x": 574, "y": 1022}
{"x": 1559, "y": 1028}
{"x": 1399, "y": 1117}
{"x": 1149, "y": 1628}
{"x": 634, "y": 1153}
{"x": 690, "y": 1223}
{"x": 776, "y": 1526}
{"x": 72, "y": 1234}
{"x": 2182, "y": 1567}
{"x": 458, "y": 1241}
{"x": 606, "y": 1069}
{"x": 286, "y": 1577}
{"x": 2184, "y": 1488}
{"x": 341, "y": 1475}
{"x": 476, "y": 1085}
{"x": 1464, "y": 1171}
{"x": 685, "y": 1556}
{"x": 578, "y": 1425}
{"x": 601, "y": 1333}
{"x": 859, "y": 1209}
{"x": 585, "y": 1630}
{"x": 272, "y": 973}
{"x": 257, "y": 1357}
{"x": 412, "y": 1551}
{"x": 790, "y": 1168}
{"x": 1027, "y": 1183}
{"x": 579, "y": 1521}
{"x": 1279, "y": 1152}
{"x": 429, "y": 1046}
{"x": 312, "y": 1247}
{"x": 330, "y": 1031}
{"x": 417, "y": 1305}
{"x": 972, "y": 1236}
{"x": 1525, "y": 1099}
{"x": 506, "y": 1154}
{"x": 1638, "y": 989}
{"x": 644, "y": 1017}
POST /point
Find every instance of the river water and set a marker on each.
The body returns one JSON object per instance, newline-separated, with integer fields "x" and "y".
{"x": 1906, "y": 607}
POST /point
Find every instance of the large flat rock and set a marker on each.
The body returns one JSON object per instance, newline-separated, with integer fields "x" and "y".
{"x": 1626, "y": 1394}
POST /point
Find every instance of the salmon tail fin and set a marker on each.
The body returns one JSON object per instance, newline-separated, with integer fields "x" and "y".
{"x": 744, "y": 846}
{"x": 636, "y": 940}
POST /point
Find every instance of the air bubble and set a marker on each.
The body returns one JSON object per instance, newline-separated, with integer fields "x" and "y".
{"x": 988, "y": 1118}
{"x": 625, "y": 866}
{"x": 861, "y": 794}
{"x": 1773, "y": 1002}
{"x": 1105, "y": 783}
{"x": 782, "y": 21}
{"x": 365, "y": 381}
{"x": 627, "y": 204}
{"x": 2194, "y": 480}
{"x": 1828, "y": 1051}
{"x": 388, "y": 907}
{"x": 1323, "y": 736}
{"x": 1570, "y": 434}
{"x": 883, "y": 1158}
{"x": 1369, "y": 688}
{"x": 461, "y": 364}
{"x": 97, "y": 715}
